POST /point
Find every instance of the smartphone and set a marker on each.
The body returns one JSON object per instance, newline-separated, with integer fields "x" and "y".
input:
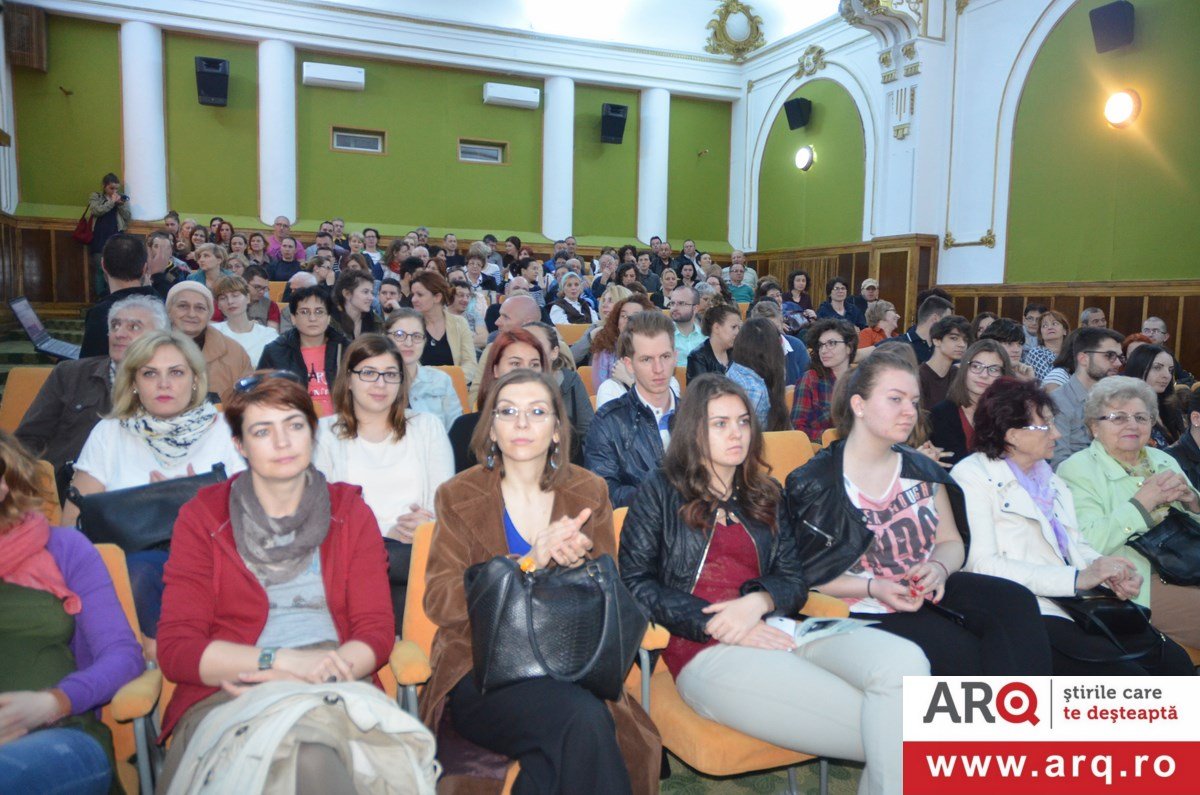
{"x": 945, "y": 612}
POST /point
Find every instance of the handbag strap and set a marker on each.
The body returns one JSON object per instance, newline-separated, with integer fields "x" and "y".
{"x": 596, "y": 574}
{"x": 1125, "y": 655}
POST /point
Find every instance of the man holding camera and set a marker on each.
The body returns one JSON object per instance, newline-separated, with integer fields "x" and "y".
{"x": 109, "y": 208}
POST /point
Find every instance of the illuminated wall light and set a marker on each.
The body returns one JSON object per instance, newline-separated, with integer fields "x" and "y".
{"x": 1122, "y": 108}
{"x": 805, "y": 157}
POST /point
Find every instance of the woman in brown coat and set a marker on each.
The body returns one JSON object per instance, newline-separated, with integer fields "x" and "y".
{"x": 527, "y": 500}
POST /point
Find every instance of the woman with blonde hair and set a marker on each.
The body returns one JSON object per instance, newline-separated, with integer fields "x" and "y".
{"x": 212, "y": 259}
{"x": 161, "y": 427}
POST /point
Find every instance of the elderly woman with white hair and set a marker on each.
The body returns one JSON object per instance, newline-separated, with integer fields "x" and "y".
{"x": 160, "y": 427}
{"x": 570, "y": 307}
{"x": 1124, "y": 487}
{"x": 190, "y": 308}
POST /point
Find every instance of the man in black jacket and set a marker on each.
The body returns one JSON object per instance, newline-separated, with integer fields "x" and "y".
{"x": 628, "y": 436}
{"x": 123, "y": 262}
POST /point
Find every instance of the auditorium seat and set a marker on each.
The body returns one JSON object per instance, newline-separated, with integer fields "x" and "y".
{"x": 20, "y": 389}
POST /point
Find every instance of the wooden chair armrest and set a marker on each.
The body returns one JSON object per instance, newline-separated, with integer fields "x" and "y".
{"x": 137, "y": 698}
{"x": 409, "y": 664}
{"x": 820, "y": 605}
{"x": 656, "y": 638}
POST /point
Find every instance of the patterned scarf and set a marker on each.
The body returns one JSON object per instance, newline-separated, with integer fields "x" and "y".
{"x": 277, "y": 549}
{"x": 171, "y": 439}
{"x": 1039, "y": 484}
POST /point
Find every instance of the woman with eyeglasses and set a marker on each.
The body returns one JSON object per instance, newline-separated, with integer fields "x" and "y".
{"x": 161, "y": 427}
{"x": 837, "y": 305}
{"x": 1025, "y": 529}
{"x": 516, "y": 349}
{"x": 526, "y": 499}
{"x": 312, "y": 348}
{"x": 373, "y": 435}
{"x": 1123, "y": 486}
{"x": 952, "y": 422}
{"x": 833, "y": 344}
{"x": 428, "y": 389}
{"x": 276, "y": 575}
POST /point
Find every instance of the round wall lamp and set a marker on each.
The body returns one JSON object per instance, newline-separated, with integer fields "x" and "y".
{"x": 805, "y": 157}
{"x": 1122, "y": 108}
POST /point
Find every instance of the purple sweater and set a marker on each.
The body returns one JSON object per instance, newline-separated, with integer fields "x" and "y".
{"x": 107, "y": 655}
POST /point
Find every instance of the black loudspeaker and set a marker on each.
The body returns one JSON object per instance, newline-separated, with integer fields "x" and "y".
{"x": 212, "y": 81}
{"x": 799, "y": 111}
{"x": 1112, "y": 25}
{"x": 612, "y": 123}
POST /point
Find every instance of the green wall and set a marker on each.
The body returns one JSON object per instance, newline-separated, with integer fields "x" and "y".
{"x": 424, "y": 111}
{"x": 824, "y": 205}
{"x": 606, "y": 175}
{"x": 212, "y": 153}
{"x": 698, "y": 185}
{"x": 1089, "y": 202}
{"x": 65, "y": 144}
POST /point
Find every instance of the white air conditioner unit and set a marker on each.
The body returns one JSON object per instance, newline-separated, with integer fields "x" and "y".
{"x": 348, "y": 78}
{"x": 512, "y": 96}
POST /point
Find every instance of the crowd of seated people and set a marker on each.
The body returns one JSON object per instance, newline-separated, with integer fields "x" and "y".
{"x": 906, "y": 516}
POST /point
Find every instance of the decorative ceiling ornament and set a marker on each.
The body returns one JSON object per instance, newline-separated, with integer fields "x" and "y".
{"x": 736, "y": 30}
{"x": 812, "y": 61}
{"x": 846, "y": 9}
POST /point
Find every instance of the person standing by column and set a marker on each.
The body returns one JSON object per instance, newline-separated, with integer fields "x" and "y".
{"x": 109, "y": 208}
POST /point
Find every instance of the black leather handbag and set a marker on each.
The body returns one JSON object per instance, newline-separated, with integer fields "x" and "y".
{"x": 1124, "y": 623}
{"x": 139, "y": 517}
{"x": 576, "y": 625}
{"x": 1173, "y": 548}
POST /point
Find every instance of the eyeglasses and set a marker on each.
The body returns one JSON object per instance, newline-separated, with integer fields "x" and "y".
{"x": 1149, "y": 331}
{"x": 673, "y": 304}
{"x": 311, "y": 312}
{"x": 416, "y": 337}
{"x": 1112, "y": 356}
{"x": 1121, "y": 418}
{"x": 979, "y": 368}
{"x": 369, "y": 376}
{"x": 509, "y": 414}
{"x": 248, "y": 383}
{"x": 830, "y": 344}
{"x": 1038, "y": 428}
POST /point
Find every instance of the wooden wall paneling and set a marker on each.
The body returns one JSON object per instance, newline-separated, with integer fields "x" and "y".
{"x": 36, "y": 264}
{"x": 1166, "y": 307}
{"x": 1127, "y": 313}
{"x": 892, "y": 269}
{"x": 965, "y": 305}
{"x": 72, "y": 270}
{"x": 1189, "y": 342}
{"x": 987, "y": 303}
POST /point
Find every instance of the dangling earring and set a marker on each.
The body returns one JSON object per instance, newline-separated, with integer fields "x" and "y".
{"x": 554, "y": 457}
{"x": 490, "y": 461}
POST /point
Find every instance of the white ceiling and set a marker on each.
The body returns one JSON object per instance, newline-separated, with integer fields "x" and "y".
{"x": 677, "y": 25}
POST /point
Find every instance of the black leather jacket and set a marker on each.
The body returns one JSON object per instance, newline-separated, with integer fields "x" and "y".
{"x": 1187, "y": 453}
{"x": 661, "y": 557}
{"x": 830, "y": 532}
{"x": 623, "y": 445}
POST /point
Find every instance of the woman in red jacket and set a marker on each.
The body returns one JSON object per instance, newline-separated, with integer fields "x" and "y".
{"x": 274, "y": 575}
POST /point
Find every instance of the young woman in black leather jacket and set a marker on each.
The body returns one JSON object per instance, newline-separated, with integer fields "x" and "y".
{"x": 883, "y": 527}
{"x": 703, "y": 550}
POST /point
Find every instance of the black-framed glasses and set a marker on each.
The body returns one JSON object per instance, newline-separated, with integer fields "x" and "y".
{"x": 401, "y": 337}
{"x": 979, "y": 368}
{"x": 829, "y": 345}
{"x": 248, "y": 383}
{"x": 1112, "y": 356}
{"x": 369, "y": 376}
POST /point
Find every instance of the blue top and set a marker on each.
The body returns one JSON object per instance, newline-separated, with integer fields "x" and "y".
{"x": 516, "y": 544}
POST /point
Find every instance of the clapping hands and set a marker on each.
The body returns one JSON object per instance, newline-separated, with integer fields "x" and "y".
{"x": 563, "y": 541}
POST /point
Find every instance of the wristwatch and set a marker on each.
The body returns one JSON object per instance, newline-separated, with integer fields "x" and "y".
{"x": 266, "y": 658}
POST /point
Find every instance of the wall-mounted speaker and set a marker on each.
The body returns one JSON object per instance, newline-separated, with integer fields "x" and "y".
{"x": 212, "y": 81}
{"x": 1112, "y": 25}
{"x": 799, "y": 111}
{"x": 612, "y": 123}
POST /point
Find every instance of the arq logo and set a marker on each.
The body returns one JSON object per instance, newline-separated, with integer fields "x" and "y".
{"x": 1016, "y": 702}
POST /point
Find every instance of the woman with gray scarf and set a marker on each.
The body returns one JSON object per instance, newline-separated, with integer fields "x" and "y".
{"x": 274, "y": 576}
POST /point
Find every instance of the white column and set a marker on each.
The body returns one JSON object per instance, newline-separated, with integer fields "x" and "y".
{"x": 739, "y": 227}
{"x": 143, "y": 120}
{"x": 276, "y": 130}
{"x": 8, "y": 157}
{"x": 654, "y": 132}
{"x": 558, "y": 157}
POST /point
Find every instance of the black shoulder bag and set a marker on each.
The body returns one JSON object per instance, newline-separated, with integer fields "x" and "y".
{"x": 1173, "y": 548}
{"x": 1124, "y": 623}
{"x": 139, "y": 517}
{"x": 576, "y": 625}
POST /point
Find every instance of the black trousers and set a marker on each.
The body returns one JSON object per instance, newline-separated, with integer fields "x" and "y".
{"x": 1002, "y": 633}
{"x": 399, "y": 557}
{"x": 1067, "y": 638}
{"x": 563, "y": 736}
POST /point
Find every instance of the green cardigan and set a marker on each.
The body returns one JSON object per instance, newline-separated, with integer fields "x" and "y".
{"x": 1103, "y": 493}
